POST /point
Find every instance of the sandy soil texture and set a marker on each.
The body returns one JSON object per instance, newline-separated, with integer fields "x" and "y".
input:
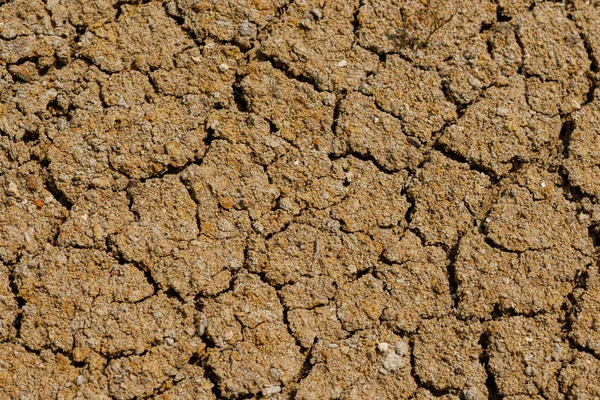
{"x": 305, "y": 199}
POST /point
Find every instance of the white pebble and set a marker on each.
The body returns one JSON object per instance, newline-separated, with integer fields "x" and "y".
{"x": 342, "y": 63}
{"x": 270, "y": 390}
{"x": 383, "y": 347}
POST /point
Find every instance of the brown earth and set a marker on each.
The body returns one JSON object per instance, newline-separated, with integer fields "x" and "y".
{"x": 308, "y": 199}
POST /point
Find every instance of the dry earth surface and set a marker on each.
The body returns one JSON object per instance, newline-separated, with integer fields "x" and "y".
{"x": 315, "y": 199}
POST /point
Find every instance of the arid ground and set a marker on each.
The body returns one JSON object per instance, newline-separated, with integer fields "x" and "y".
{"x": 306, "y": 199}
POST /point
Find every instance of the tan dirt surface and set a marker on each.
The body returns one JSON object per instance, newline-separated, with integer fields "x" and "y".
{"x": 300, "y": 199}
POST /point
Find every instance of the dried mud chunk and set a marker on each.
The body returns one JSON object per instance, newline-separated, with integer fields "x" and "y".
{"x": 408, "y": 27}
{"x": 91, "y": 13}
{"x": 26, "y": 375}
{"x": 253, "y": 347}
{"x": 307, "y": 181}
{"x": 204, "y": 267}
{"x": 378, "y": 20}
{"x": 100, "y": 148}
{"x": 95, "y": 217}
{"x": 319, "y": 323}
{"x": 24, "y": 106}
{"x": 505, "y": 49}
{"x": 29, "y": 214}
{"x": 158, "y": 322}
{"x": 553, "y": 49}
{"x": 237, "y": 21}
{"x": 317, "y": 41}
{"x": 77, "y": 164}
{"x": 151, "y": 137}
{"x": 230, "y": 188}
{"x": 370, "y": 364}
{"x": 415, "y": 276}
{"x": 370, "y": 132}
{"x": 413, "y": 95}
{"x": 585, "y": 322}
{"x": 166, "y": 219}
{"x": 519, "y": 222}
{"x": 469, "y": 72}
{"x": 501, "y": 127}
{"x": 579, "y": 379}
{"x": 308, "y": 292}
{"x": 526, "y": 355}
{"x": 544, "y": 97}
{"x": 448, "y": 197}
{"x": 13, "y": 154}
{"x": 9, "y": 308}
{"x": 78, "y": 300}
{"x": 586, "y": 18}
{"x": 583, "y": 162}
{"x": 304, "y": 251}
{"x": 140, "y": 375}
{"x": 299, "y": 113}
{"x": 27, "y": 33}
{"x": 146, "y": 39}
{"x": 250, "y": 129}
{"x": 361, "y": 302}
{"x": 189, "y": 384}
{"x": 528, "y": 282}
{"x": 207, "y": 71}
{"x": 438, "y": 365}
{"x": 374, "y": 199}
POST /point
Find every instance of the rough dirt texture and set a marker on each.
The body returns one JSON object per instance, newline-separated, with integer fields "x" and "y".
{"x": 305, "y": 199}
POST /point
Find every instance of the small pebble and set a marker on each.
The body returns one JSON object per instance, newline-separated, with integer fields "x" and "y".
{"x": 271, "y": 390}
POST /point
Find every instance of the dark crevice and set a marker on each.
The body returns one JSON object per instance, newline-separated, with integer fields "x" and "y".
{"x": 484, "y": 359}
{"x": 500, "y": 16}
{"x": 279, "y": 65}
{"x": 238, "y": 94}
{"x": 494, "y": 245}
{"x": 118, "y": 6}
{"x": 508, "y": 312}
{"x": 517, "y": 164}
{"x": 589, "y": 96}
{"x": 272, "y": 127}
{"x": 451, "y": 273}
{"x": 566, "y": 131}
{"x": 336, "y": 115}
{"x": 171, "y": 293}
{"x": 30, "y": 136}
{"x": 20, "y": 303}
{"x": 151, "y": 281}
{"x": 305, "y": 370}
{"x": 445, "y": 151}
{"x": 572, "y": 193}
{"x": 363, "y": 157}
{"x": 485, "y": 27}
{"x": 570, "y": 307}
{"x": 355, "y": 22}
{"x": 283, "y": 229}
{"x": 57, "y": 193}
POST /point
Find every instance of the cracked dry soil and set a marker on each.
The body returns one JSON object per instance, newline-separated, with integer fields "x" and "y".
{"x": 244, "y": 199}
